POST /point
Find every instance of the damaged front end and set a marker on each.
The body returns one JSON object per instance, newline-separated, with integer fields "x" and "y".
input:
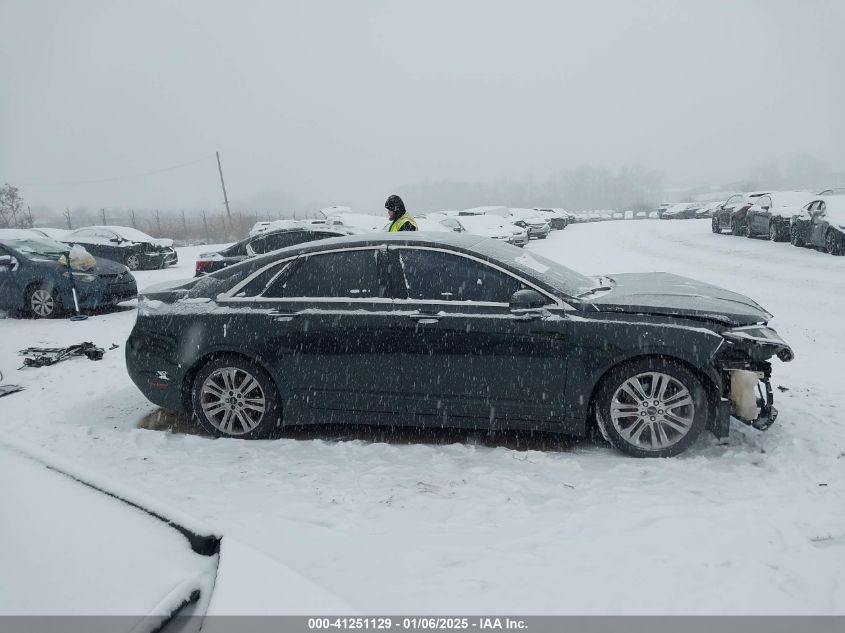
{"x": 746, "y": 373}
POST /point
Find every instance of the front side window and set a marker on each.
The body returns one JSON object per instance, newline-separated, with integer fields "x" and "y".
{"x": 734, "y": 200}
{"x": 341, "y": 274}
{"x": 438, "y": 276}
{"x": 764, "y": 202}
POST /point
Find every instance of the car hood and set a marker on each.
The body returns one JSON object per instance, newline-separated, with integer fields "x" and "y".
{"x": 667, "y": 294}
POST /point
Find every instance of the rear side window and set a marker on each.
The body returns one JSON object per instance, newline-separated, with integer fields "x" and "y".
{"x": 438, "y": 276}
{"x": 342, "y": 274}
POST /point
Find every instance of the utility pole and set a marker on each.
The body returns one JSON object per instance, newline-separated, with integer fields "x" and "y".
{"x": 132, "y": 218}
{"x": 184, "y": 225}
{"x": 67, "y": 217}
{"x": 29, "y": 211}
{"x": 158, "y": 223}
{"x": 223, "y": 184}
{"x": 103, "y": 214}
{"x": 205, "y": 224}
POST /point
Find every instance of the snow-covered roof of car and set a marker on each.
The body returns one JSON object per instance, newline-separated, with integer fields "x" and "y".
{"x": 19, "y": 234}
{"x": 484, "y": 209}
{"x": 126, "y": 232}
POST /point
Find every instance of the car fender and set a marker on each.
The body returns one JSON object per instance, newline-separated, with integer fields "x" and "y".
{"x": 213, "y": 351}
{"x": 693, "y": 346}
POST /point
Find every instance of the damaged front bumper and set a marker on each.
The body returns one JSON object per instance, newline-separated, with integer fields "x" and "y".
{"x": 746, "y": 374}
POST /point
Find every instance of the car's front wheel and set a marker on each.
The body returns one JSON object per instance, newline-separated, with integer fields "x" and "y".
{"x": 795, "y": 236}
{"x": 42, "y": 301}
{"x": 653, "y": 407}
{"x": 132, "y": 261}
{"x": 714, "y": 225}
{"x": 234, "y": 397}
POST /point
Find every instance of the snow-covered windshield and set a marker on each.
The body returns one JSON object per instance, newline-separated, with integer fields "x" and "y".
{"x": 37, "y": 247}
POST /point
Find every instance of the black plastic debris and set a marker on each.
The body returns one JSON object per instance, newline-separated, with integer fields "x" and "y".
{"x": 45, "y": 356}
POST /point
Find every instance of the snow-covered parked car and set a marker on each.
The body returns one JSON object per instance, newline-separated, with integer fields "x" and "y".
{"x": 558, "y": 219}
{"x": 680, "y": 211}
{"x": 730, "y": 215}
{"x": 357, "y": 222}
{"x": 528, "y": 219}
{"x": 260, "y": 244}
{"x": 821, "y": 224}
{"x": 131, "y": 247}
{"x": 481, "y": 333}
{"x": 34, "y": 276}
{"x": 263, "y": 227}
{"x": 490, "y": 226}
{"x": 771, "y": 213}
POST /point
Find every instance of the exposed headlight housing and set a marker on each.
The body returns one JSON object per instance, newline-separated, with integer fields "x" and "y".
{"x": 84, "y": 277}
{"x": 763, "y": 336}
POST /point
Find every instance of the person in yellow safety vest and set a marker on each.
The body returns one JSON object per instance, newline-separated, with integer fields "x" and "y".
{"x": 400, "y": 220}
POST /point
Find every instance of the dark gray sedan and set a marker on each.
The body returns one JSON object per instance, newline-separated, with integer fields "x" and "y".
{"x": 450, "y": 330}
{"x": 34, "y": 278}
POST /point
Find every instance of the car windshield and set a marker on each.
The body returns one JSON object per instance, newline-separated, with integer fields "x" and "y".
{"x": 551, "y": 273}
{"x": 37, "y": 247}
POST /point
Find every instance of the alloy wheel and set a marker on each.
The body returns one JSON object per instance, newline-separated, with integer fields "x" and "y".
{"x": 233, "y": 401}
{"x": 133, "y": 262}
{"x": 652, "y": 411}
{"x": 42, "y": 303}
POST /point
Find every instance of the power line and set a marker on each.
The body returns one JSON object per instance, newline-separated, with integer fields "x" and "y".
{"x": 101, "y": 180}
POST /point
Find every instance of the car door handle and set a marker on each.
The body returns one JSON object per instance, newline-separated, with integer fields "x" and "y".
{"x": 425, "y": 317}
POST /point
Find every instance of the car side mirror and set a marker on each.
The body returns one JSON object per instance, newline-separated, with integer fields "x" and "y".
{"x": 8, "y": 263}
{"x": 526, "y": 300}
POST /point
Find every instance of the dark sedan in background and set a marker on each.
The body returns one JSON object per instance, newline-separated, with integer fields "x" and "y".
{"x": 821, "y": 224}
{"x": 34, "y": 278}
{"x": 259, "y": 245}
{"x": 771, "y": 213}
{"x": 448, "y": 330}
{"x": 126, "y": 245}
{"x": 731, "y": 216}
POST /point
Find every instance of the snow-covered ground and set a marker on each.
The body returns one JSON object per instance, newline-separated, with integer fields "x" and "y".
{"x": 448, "y": 523}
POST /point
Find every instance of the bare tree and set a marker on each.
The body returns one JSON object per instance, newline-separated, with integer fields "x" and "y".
{"x": 12, "y": 214}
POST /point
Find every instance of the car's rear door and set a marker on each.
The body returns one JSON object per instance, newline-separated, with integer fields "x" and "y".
{"x": 818, "y": 224}
{"x": 465, "y": 356}
{"x": 324, "y": 322}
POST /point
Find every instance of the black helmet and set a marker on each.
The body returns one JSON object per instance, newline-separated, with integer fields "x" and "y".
{"x": 394, "y": 203}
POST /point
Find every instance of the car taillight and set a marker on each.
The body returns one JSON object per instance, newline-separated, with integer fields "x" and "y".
{"x": 202, "y": 265}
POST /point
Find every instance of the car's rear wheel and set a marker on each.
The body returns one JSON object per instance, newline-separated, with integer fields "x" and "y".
{"x": 653, "y": 407}
{"x": 795, "y": 236}
{"x": 833, "y": 243}
{"x": 773, "y": 232}
{"x": 42, "y": 301}
{"x": 132, "y": 261}
{"x": 714, "y": 226}
{"x": 234, "y": 397}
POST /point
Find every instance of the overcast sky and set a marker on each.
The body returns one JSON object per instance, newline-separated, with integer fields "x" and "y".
{"x": 341, "y": 102}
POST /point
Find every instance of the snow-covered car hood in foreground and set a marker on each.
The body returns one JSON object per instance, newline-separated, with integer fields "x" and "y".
{"x": 665, "y": 293}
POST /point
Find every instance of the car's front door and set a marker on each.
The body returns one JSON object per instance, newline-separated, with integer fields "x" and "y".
{"x": 324, "y": 323}
{"x": 466, "y": 359}
{"x": 818, "y": 224}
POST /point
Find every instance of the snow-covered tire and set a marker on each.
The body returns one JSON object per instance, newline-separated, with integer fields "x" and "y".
{"x": 132, "y": 261}
{"x": 834, "y": 244}
{"x": 233, "y": 397}
{"x": 43, "y": 301}
{"x": 795, "y": 237}
{"x": 714, "y": 226}
{"x": 665, "y": 423}
{"x": 774, "y": 234}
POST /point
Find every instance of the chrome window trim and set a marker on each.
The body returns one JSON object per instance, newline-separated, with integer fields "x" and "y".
{"x": 557, "y": 302}
{"x": 230, "y": 295}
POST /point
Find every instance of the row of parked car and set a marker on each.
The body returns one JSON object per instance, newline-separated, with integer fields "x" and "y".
{"x": 511, "y": 225}
{"x": 815, "y": 220}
